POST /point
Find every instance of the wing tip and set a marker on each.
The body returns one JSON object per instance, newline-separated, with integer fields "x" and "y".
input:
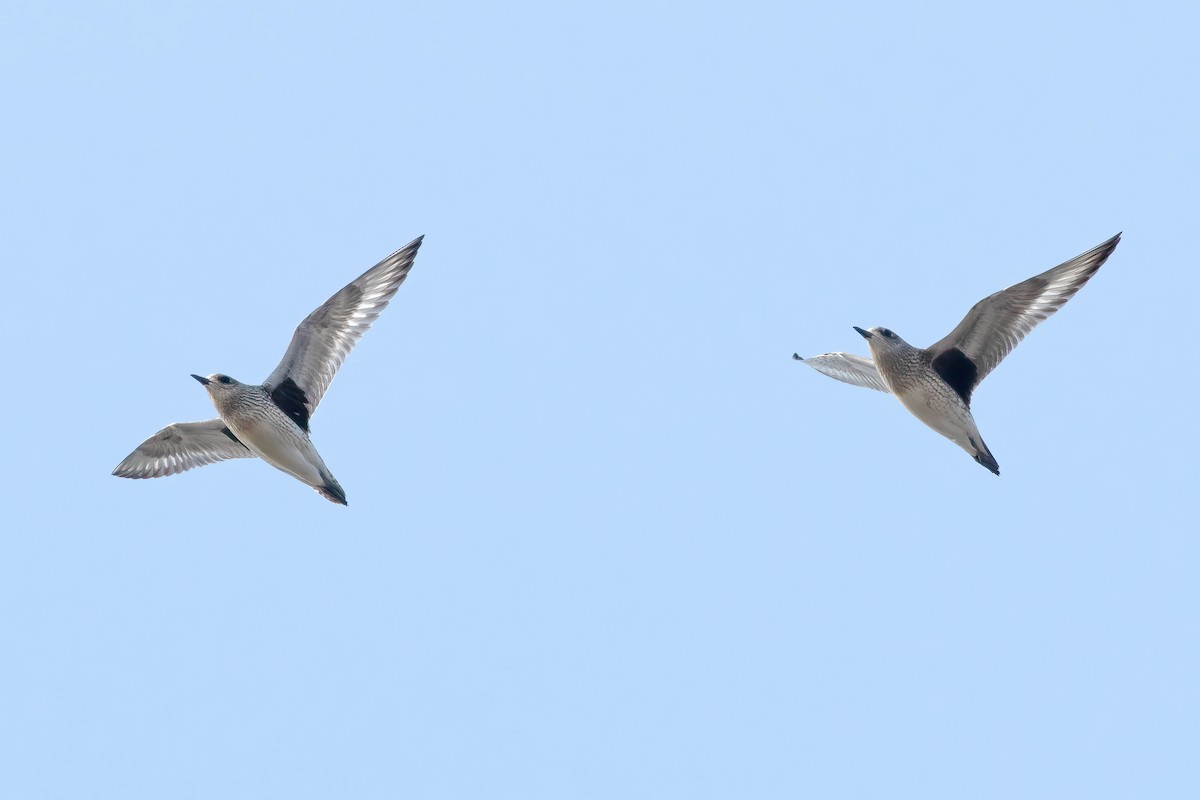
{"x": 125, "y": 469}
{"x": 135, "y": 473}
{"x": 1100, "y": 253}
{"x": 1108, "y": 245}
{"x": 401, "y": 259}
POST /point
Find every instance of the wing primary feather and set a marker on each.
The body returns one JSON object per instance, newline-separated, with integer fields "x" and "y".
{"x": 326, "y": 336}
{"x": 182, "y": 446}
{"x": 998, "y": 322}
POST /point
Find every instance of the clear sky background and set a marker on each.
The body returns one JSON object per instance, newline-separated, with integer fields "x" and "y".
{"x": 605, "y": 538}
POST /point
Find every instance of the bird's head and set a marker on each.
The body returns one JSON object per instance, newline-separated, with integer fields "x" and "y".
{"x": 217, "y": 384}
{"x": 882, "y": 340}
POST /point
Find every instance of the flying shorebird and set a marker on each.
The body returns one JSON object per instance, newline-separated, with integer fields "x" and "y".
{"x": 935, "y": 383}
{"x": 271, "y": 421}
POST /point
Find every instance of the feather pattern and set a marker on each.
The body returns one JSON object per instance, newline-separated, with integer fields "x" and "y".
{"x": 180, "y": 447}
{"x": 326, "y": 336}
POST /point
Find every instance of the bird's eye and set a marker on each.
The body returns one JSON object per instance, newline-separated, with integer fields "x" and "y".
{"x": 224, "y": 379}
{"x": 888, "y": 334}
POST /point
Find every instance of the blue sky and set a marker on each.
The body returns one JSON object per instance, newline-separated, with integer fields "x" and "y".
{"x": 605, "y": 538}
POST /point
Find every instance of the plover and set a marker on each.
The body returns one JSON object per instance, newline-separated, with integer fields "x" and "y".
{"x": 935, "y": 383}
{"x": 271, "y": 420}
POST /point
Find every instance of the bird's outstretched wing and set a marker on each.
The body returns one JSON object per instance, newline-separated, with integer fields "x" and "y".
{"x": 180, "y": 447}
{"x": 847, "y": 367}
{"x": 998, "y": 322}
{"x": 326, "y": 336}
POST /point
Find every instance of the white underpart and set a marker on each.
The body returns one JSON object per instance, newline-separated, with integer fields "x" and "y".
{"x": 292, "y": 452}
{"x": 950, "y": 418}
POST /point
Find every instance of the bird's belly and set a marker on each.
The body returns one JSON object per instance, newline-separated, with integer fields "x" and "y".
{"x": 282, "y": 449}
{"x": 946, "y": 414}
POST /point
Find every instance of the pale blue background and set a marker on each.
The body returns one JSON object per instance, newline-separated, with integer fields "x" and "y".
{"x": 605, "y": 539}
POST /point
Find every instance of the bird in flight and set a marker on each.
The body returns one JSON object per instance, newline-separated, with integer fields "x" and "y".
{"x": 935, "y": 383}
{"x": 271, "y": 420}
